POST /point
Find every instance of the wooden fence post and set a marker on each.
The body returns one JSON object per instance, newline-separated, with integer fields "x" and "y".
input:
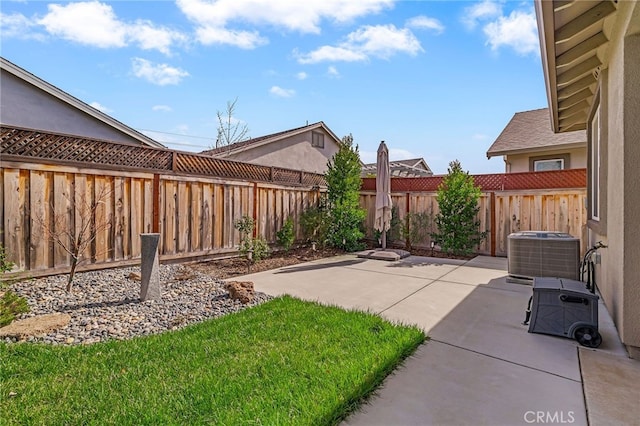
{"x": 492, "y": 199}
{"x": 156, "y": 204}
{"x": 255, "y": 209}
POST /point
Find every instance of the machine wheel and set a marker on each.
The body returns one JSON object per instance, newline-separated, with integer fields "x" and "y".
{"x": 588, "y": 336}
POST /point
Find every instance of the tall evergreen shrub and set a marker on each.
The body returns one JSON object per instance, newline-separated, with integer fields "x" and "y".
{"x": 343, "y": 196}
{"x": 458, "y": 227}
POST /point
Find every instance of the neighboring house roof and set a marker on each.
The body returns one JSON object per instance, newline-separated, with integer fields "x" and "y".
{"x": 263, "y": 140}
{"x": 415, "y": 167}
{"x": 85, "y": 108}
{"x": 531, "y": 131}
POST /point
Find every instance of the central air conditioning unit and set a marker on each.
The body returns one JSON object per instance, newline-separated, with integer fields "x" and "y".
{"x": 543, "y": 254}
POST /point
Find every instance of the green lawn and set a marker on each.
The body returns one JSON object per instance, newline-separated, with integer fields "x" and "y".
{"x": 283, "y": 362}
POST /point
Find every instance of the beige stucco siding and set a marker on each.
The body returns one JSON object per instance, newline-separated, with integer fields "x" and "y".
{"x": 294, "y": 152}
{"x": 24, "y": 105}
{"x": 619, "y": 274}
{"x": 521, "y": 162}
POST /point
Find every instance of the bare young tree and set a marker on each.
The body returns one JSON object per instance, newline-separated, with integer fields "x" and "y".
{"x": 230, "y": 130}
{"x": 77, "y": 235}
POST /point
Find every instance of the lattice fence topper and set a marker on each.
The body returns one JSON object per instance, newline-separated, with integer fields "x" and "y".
{"x": 556, "y": 179}
{"x": 19, "y": 144}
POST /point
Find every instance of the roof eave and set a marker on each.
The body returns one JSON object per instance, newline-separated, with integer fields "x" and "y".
{"x": 545, "y": 19}
{"x": 562, "y": 147}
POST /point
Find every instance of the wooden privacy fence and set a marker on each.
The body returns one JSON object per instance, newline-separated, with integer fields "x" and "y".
{"x": 541, "y": 201}
{"x": 195, "y": 215}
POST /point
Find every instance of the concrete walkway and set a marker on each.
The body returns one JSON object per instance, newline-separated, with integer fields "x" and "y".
{"x": 480, "y": 365}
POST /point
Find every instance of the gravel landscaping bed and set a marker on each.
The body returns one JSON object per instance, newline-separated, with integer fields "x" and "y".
{"x": 105, "y": 304}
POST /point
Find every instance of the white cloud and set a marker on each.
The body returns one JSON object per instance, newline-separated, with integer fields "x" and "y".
{"x": 381, "y": 41}
{"x": 100, "y": 107}
{"x": 518, "y": 31}
{"x": 242, "y": 39}
{"x": 91, "y": 23}
{"x": 160, "y": 74}
{"x": 282, "y": 93}
{"x": 301, "y": 16}
{"x": 330, "y": 54}
{"x": 424, "y": 22}
{"x": 302, "y": 75}
{"x": 333, "y": 71}
{"x": 96, "y": 24}
{"x": 150, "y": 37}
{"x": 481, "y": 11}
{"x": 165, "y": 108}
{"x": 17, "y": 25}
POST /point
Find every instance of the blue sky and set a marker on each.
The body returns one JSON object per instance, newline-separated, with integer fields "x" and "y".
{"x": 434, "y": 79}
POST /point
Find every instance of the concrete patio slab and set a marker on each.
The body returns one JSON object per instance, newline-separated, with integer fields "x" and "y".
{"x": 345, "y": 286}
{"x": 445, "y": 385}
{"x": 488, "y": 262}
{"x": 611, "y": 388}
{"x": 481, "y": 366}
{"x": 474, "y": 275}
{"x": 413, "y": 266}
{"x": 488, "y": 321}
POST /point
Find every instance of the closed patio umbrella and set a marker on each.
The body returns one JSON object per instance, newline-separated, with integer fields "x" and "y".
{"x": 382, "y": 220}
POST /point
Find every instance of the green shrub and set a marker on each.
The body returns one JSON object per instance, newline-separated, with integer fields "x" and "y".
{"x": 258, "y": 247}
{"x": 416, "y": 228}
{"x": 315, "y": 222}
{"x": 11, "y": 305}
{"x": 5, "y": 265}
{"x": 457, "y": 222}
{"x": 343, "y": 189}
{"x": 286, "y": 236}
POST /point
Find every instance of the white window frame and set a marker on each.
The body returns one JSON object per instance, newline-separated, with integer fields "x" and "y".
{"x": 596, "y": 146}
{"x": 550, "y": 160}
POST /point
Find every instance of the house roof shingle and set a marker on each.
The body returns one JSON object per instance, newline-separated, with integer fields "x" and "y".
{"x": 531, "y": 131}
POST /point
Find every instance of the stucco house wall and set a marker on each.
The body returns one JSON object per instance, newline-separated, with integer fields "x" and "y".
{"x": 294, "y": 152}
{"x": 619, "y": 222}
{"x": 29, "y": 102}
{"x": 516, "y": 163}
{"x": 598, "y": 47}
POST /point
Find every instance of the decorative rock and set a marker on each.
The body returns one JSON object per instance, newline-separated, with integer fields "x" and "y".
{"x": 109, "y": 299}
{"x": 40, "y": 324}
{"x": 240, "y": 290}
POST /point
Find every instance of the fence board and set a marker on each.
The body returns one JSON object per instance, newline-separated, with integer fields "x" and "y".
{"x": 183, "y": 214}
{"x": 40, "y": 199}
{"x": 83, "y": 195}
{"x": 197, "y": 221}
{"x": 118, "y": 218}
{"x": 62, "y": 213}
{"x": 137, "y": 216}
{"x": 169, "y": 229}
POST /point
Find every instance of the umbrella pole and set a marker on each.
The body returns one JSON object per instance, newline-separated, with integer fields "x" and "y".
{"x": 384, "y": 240}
